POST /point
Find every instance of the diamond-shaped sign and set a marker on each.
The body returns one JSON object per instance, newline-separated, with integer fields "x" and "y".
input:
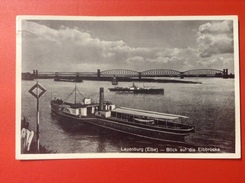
{"x": 39, "y": 90}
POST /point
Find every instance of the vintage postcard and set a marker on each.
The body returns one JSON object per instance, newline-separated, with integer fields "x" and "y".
{"x": 127, "y": 87}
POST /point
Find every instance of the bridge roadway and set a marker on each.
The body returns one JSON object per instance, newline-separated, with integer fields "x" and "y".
{"x": 129, "y": 75}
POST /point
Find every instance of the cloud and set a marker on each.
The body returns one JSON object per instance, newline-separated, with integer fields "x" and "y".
{"x": 219, "y": 62}
{"x": 215, "y": 38}
{"x": 173, "y": 58}
{"x": 217, "y": 27}
{"x": 73, "y": 49}
{"x": 69, "y": 46}
{"x": 135, "y": 60}
{"x": 65, "y": 48}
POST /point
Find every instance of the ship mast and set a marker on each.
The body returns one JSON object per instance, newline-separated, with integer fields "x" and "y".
{"x": 72, "y": 93}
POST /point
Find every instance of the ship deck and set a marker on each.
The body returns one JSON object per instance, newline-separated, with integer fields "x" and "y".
{"x": 148, "y": 114}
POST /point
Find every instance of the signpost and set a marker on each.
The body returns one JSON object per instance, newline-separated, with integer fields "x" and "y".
{"x": 37, "y": 91}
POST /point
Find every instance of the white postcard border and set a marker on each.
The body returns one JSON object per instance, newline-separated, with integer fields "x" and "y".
{"x": 235, "y": 155}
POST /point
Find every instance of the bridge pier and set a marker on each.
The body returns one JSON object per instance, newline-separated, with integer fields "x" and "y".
{"x": 56, "y": 76}
{"x": 98, "y": 73}
{"x": 35, "y": 73}
{"x": 181, "y": 75}
{"x": 225, "y": 73}
{"x": 77, "y": 75}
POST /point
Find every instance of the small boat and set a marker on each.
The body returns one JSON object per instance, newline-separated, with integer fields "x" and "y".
{"x": 114, "y": 81}
{"x": 137, "y": 90}
{"x": 136, "y": 122}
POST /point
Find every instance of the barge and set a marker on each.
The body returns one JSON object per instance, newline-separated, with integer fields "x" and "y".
{"x": 76, "y": 80}
{"x": 136, "y": 122}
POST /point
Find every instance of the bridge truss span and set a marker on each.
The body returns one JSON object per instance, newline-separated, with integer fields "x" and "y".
{"x": 119, "y": 72}
{"x": 160, "y": 72}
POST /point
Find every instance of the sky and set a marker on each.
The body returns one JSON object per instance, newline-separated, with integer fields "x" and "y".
{"x": 86, "y": 45}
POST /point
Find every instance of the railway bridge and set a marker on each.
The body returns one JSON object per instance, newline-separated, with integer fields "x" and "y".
{"x": 126, "y": 73}
{"x": 164, "y": 73}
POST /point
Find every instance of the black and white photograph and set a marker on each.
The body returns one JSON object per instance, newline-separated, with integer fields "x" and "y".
{"x": 127, "y": 87}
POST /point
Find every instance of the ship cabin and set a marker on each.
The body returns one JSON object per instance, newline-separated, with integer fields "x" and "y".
{"x": 87, "y": 108}
{"x": 148, "y": 117}
{"x": 106, "y": 109}
{"x": 82, "y": 109}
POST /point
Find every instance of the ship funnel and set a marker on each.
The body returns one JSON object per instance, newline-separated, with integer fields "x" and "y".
{"x": 101, "y": 105}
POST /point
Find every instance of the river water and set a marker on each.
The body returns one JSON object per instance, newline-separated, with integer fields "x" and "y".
{"x": 210, "y": 107}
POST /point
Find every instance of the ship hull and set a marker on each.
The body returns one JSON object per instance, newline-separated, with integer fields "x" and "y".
{"x": 69, "y": 80}
{"x": 146, "y": 132}
{"x": 137, "y": 91}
